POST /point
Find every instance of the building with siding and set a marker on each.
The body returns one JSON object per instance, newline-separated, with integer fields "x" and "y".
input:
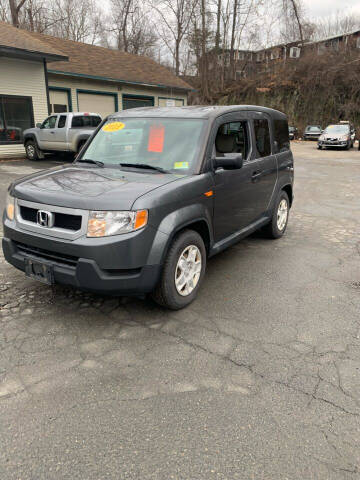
{"x": 40, "y": 75}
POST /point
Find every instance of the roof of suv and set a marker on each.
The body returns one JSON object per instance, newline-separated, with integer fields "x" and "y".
{"x": 194, "y": 111}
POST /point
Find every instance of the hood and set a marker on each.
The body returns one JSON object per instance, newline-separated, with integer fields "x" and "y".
{"x": 334, "y": 136}
{"x": 89, "y": 188}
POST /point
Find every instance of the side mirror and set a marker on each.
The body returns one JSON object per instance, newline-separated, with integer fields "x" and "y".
{"x": 38, "y": 125}
{"x": 231, "y": 161}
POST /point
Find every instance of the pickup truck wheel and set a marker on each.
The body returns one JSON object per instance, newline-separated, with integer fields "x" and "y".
{"x": 31, "y": 150}
{"x": 183, "y": 271}
{"x": 276, "y": 228}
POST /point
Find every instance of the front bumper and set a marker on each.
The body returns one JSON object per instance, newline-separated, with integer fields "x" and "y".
{"x": 311, "y": 137}
{"x": 324, "y": 143}
{"x": 113, "y": 265}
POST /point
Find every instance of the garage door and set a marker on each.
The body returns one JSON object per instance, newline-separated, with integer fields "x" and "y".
{"x": 96, "y": 103}
{"x": 59, "y": 101}
{"x": 133, "y": 102}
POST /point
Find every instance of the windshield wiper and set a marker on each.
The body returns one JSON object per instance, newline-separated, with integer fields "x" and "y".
{"x": 143, "y": 165}
{"x": 88, "y": 160}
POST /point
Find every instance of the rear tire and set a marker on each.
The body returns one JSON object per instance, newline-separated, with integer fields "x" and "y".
{"x": 277, "y": 226}
{"x": 31, "y": 151}
{"x": 185, "y": 263}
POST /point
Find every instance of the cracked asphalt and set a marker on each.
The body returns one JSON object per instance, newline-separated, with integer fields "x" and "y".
{"x": 257, "y": 379}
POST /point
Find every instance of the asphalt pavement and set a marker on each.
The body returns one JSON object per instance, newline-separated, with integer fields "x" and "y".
{"x": 259, "y": 379}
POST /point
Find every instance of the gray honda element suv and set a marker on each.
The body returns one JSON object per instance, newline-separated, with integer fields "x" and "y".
{"x": 153, "y": 194}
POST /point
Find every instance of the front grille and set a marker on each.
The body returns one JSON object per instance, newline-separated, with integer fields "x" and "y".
{"x": 60, "y": 258}
{"x": 62, "y": 220}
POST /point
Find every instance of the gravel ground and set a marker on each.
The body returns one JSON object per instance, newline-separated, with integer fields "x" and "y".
{"x": 257, "y": 379}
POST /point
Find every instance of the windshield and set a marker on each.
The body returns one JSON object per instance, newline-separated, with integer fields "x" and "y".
{"x": 342, "y": 129}
{"x": 171, "y": 144}
{"x": 313, "y": 128}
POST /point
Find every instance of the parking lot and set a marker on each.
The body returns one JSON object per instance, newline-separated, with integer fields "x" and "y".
{"x": 258, "y": 379}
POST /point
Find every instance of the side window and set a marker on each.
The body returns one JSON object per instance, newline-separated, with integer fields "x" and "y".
{"x": 262, "y": 137}
{"x": 50, "y": 122}
{"x": 232, "y": 138}
{"x": 95, "y": 121}
{"x": 85, "y": 121}
{"x": 62, "y": 121}
{"x": 77, "y": 121}
{"x": 281, "y": 132}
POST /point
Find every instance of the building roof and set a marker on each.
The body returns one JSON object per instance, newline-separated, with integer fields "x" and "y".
{"x": 333, "y": 37}
{"x": 106, "y": 64}
{"x": 22, "y": 43}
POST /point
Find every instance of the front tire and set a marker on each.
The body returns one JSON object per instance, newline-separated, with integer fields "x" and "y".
{"x": 31, "y": 151}
{"x": 277, "y": 226}
{"x": 183, "y": 271}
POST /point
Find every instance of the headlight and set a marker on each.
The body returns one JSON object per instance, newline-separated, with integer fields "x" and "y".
{"x": 344, "y": 137}
{"x": 10, "y": 207}
{"x": 103, "y": 224}
{"x": 321, "y": 137}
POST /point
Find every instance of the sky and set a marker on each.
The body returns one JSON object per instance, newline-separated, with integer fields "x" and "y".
{"x": 322, "y": 8}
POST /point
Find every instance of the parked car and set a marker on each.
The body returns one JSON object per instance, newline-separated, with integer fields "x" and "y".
{"x": 144, "y": 217}
{"x": 62, "y": 132}
{"x": 293, "y": 132}
{"x": 340, "y": 135}
{"x": 312, "y": 132}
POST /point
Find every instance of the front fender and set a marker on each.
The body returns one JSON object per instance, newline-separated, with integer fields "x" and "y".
{"x": 173, "y": 223}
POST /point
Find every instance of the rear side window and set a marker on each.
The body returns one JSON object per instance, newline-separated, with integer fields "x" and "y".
{"x": 85, "y": 121}
{"x": 62, "y": 121}
{"x": 282, "y": 135}
{"x": 262, "y": 137}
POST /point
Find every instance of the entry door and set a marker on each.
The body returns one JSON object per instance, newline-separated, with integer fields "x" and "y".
{"x": 47, "y": 133}
{"x": 235, "y": 193}
{"x": 264, "y": 171}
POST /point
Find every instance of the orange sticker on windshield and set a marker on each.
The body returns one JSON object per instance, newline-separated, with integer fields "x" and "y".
{"x": 113, "y": 126}
{"x": 156, "y": 138}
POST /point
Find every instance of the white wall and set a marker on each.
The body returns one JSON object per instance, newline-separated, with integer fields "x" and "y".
{"x": 24, "y": 78}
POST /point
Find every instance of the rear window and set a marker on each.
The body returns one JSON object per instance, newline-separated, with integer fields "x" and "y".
{"x": 281, "y": 131}
{"x": 85, "y": 121}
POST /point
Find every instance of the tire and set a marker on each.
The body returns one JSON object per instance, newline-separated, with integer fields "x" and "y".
{"x": 167, "y": 293}
{"x": 31, "y": 150}
{"x": 319, "y": 147}
{"x": 347, "y": 146}
{"x": 272, "y": 229}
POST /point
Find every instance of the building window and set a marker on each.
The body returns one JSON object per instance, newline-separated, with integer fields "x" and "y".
{"x": 358, "y": 42}
{"x": 294, "y": 52}
{"x": 16, "y": 115}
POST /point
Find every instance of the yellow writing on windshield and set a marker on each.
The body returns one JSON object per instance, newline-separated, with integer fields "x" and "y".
{"x": 113, "y": 127}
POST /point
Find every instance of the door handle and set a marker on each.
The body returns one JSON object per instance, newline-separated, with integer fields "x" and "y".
{"x": 52, "y": 132}
{"x": 256, "y": 175}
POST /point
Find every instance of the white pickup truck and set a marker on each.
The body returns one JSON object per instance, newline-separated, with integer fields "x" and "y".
{"x": 61, "y": 132}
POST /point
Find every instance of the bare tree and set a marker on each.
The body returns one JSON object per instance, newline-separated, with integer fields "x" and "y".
{"x": 175, "y": 17}
{"x": 15, "y": 9}
{"x": 78, "y": 20}
{"x": 130, "y": 25}
{"x": 4, "y": 13}
{"x": 335, "y": 25}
